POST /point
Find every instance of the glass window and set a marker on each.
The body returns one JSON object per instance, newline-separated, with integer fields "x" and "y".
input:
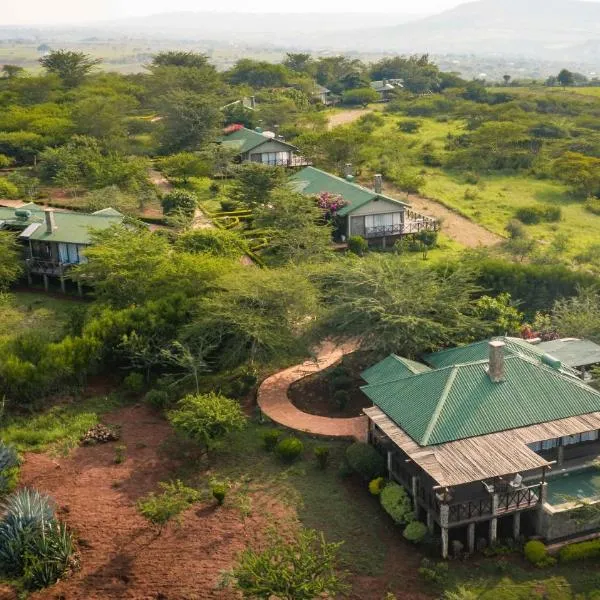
{"x": 571, "y": 439}
{"x": 536, "y": 446}
{"x": 589, "y": 436}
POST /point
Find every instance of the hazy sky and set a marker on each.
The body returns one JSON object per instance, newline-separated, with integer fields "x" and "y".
{"x": 14, "y": 12}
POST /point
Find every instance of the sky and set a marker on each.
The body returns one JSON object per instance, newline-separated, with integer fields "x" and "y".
{"x": 43, "y": 12}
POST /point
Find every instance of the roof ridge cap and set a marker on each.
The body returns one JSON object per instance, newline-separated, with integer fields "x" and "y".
{"x": 440, "y": 406}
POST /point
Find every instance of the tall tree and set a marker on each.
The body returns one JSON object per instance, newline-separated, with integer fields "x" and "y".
{"x": 72, "y": 67}
{"x": 12, "y": 71}
{"x": 565, "y": 78}
{"x": 254, "y": 182}
{"x": 189, "y": 120}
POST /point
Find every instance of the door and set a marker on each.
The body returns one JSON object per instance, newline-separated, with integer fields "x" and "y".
{"x": 357, "y": 226}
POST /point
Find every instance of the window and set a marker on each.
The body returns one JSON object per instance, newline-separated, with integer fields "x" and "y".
{"x": 578, "y": 438}
{"x": 589, "y": 436}
{"x": 271, "y": 158}
{"x": 383, "y": 220}
{"x": 536, "y": 446}
{"x": 549, "y": 444}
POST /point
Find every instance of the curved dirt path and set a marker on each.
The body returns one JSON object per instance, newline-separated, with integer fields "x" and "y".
{"x": 346, "y": 116}
{"x": 455, "y": 226}
{"x": 275, "y": 404}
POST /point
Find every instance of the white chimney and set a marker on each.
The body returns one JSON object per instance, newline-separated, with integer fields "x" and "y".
{"x": 50, "y": 220}
{"x": 347, "y": 170}
{"x": 378, "y": 183}
{"x": 252, "y": 101}
{"x": 496, "y": 364}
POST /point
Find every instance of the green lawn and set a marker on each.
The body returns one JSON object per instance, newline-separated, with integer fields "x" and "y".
{"x": 29, "y": 311}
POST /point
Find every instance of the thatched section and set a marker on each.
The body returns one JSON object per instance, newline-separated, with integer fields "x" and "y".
{"x": 486, "y": 456}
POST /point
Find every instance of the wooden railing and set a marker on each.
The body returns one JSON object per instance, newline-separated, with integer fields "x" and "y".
{"x": 46, "y": 267}
{"x": 472, "y": 509}
{"x": 518, "y": 499}
{"x": 405, "y": 228}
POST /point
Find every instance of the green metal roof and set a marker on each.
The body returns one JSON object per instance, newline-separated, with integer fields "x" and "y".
{"x": 572, "y": 352}
{"x": 311, "y": 181}
{"x": 480, "y": 351}
{"x": 391, "y": 368}
{"x": 71, "y": 227}
{"x": 244, "y": 140}
{"x": 461, "y": 401}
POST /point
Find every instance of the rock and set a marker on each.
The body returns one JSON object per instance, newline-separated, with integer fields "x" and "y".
{"x": 100, "y": 434}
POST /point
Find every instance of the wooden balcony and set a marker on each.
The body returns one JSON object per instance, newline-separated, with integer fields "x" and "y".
{"x": 39, "y": 266}
{"x": 406, "y": 228}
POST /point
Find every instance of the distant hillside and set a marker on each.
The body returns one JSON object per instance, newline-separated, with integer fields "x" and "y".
{"x": 543, "y": 28}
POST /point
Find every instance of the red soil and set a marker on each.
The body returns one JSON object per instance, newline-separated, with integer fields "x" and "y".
{"x": 122, "y": 556}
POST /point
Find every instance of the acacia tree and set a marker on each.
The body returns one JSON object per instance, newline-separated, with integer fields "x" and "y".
{"x": 72, "y": 67}
{"x": 184, "y": 165}
{"x": 578, "y": 316}
{"x": 207, "y": 418}
{"x": 254, "y": 183}
{"x": 393, "y": 305}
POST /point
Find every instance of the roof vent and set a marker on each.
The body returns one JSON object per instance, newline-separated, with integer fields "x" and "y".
{"x": 22, "y": 214}
{"x": 551, "y": 361}
{"x": 496, "y": 364}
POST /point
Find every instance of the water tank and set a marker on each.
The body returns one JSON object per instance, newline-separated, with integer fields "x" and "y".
{"x": 551, "y": 361}
{"x": 23, "y": 215}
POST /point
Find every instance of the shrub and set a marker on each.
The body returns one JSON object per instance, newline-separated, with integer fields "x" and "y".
{"x": 579, "y": 552}
{"x": 9, "y": 467}
{"x": 179, "y": 201}
{"x": 270, "y": 439}
{"x": 409, "y": 126}
{"x": 303, "y": 568}
{"x": 537, "y": 554}
{"x": 376, "y": 486}
{"x": 357, "y": 245}
{"x": 134, "y": 382}
{"x": 229, "y": 205}
{"x": 219, "y": 491}
{"x": 531, "y": 215}
{"x": 341, "y": 398}
{"x": 396, "y": 502}
{"x": 157, "y": 398}
{"x": 433, "y": 572}
{"x": 415, "y": 532}
{"x": 289, "y": 449}
{"x": 365, "y": 460}
{"x": 120, "y": 454}
{"x": 322, "y": 456}
{"x": 176, "y": 497}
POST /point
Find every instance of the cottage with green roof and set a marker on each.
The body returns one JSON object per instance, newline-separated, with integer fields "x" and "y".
{"x": 493, "y": 436}
{"x": 264, "y": 147}
{"x": 53, "y": 240}
{"x": 368, "y": 213}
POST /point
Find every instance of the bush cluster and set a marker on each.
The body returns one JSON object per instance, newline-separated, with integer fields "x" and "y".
{"x": 289, "y": 449}
{"x": 322, "y": 456}
{"x": 531, "y": 215}
{"x": 33, "y": 544}
{"x": 582, "y": 551}
{"x": 365, "y": 460}
{"x": 415, "y": 532}
{"x": 161, "y": 508}
{"x": 396, "y": 503}
{"x": 270, "y": 439}
{"x": 376, "y": 486}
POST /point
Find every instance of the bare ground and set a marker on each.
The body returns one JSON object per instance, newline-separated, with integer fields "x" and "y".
{"x": 347, "y": 116}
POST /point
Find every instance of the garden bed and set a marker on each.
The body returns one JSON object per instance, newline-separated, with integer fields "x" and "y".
{"x": 314, "y": 394}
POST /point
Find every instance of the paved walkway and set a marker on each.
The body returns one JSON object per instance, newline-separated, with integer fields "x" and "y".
{"x": 275, "y": 404}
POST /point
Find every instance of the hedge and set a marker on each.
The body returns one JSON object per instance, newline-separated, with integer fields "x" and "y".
{"x": 580, "y": 552}
{"x": 396, "y": 503}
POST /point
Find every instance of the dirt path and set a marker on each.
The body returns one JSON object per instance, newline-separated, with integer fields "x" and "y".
{"x": 347, "y": 116}
{"x": 274, "y": 401}
{"x": 455, "y": 226}
{"x": 122, "y": 556}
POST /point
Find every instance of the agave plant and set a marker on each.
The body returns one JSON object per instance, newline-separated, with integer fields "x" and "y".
{"x": 9, "y": 458}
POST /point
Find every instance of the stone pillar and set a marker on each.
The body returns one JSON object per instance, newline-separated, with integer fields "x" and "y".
{"x": 415, "y": 488}
{"x": 79, "y": 288}
{"x": 560, "y": 458}
{"x": 63, "y": 288}
{"x": 389, "y": 463}
{"x": 444, "y": 514}
{"x": 494, "y": 520}
{"x": 29, "y": 278}
{"x": 540, "y": 509}
{"x": 45, "y": 278}
{"x": 430, "y": 520}
{"x": 517, "y": 525}
{"x": 471, "y": 537}
{"x": 383, "y": 243}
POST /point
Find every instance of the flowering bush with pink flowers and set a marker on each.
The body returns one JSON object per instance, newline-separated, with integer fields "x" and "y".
{"x": 330, "y": 204}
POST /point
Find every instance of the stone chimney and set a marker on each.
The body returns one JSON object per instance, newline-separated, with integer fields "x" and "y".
{"x": 252, "y": 101}
{"x": 496, "y": 365}
{"x": 50, "y": 220}
{"x": 347, "y": 170}
{"x": 378, "y": 183}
